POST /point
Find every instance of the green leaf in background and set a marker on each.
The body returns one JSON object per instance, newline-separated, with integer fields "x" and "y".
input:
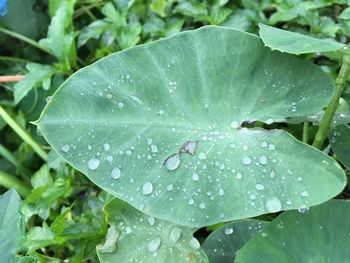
{"x": 60, "y": 35}
{"x": 318, "y": 235}
{"x": 222, "y": 244}
{"x": 159, "y": 126}
{"x": 142, "y": 238}
{"x": 340, "y": 143}
{"x": 345, "y": 14}
{"x": 158, "y": 6}
{"x": 11, "y": 226}
{"x": 37, "y": 75}
{"x": 295, "y": 43}
{"x": 41, "y": 237}
{"x": 24, "y": 19}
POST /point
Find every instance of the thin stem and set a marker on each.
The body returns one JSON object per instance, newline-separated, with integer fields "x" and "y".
{"x": 13, "y": 78}
{"x": 24, "y": 39}
{"x": 9, "y": 181}
{"x": 15, "y": 59}
{"x": 9, "y": 156}
{"x": 305, "y": 131}
{"x": 322, "y": 132}
{"x": 23, "y": 134}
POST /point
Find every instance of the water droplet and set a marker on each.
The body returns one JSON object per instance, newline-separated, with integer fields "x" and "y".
{"x": 189, "y": 147}
{"x": 202, "y": 205}
{"x": 191, "y": 201}
{"x": 263, "y": 159}
{"x": 175, "y": 234}
{"x": 147, "y": 188}
{"x": 154, "y": 148}
{"x": 239, "y": 176}
{"x": 264, "y": 144}
{"x": 65, "y": 148}
{"x": 234, "y": 124}
{"x": 154, "y": 244}
{"x": 259, "y": 187}
{"x": 273, "y": 204}
{"x": 120, "y": 105}
{"x": 172, "y": 162}
{"x": 195, "y": 177}
{"x": 149, "y": 141}
{"x": 128, "y": 230}
{"x": 246, "y": 160}
{"x": 221, "y": 192}
{"x": 304, "y": 194}
{"x": 170, "y": 187}
{"x": 194, "y": 243}
{"x": 245, "y": 147}
{"x": 271, "y": 147}
{"x": 269, "y": 121}
{"x": 272, "y": 174}
{"x": 93, "y": 163}
{"x": 228, "y": 230}
{"x": 109, "y": 158}
{"x": 109, "y": 95}
{"x": 151, "y": 220}
{"x": 303, "y": 209}
{"x": 115, "y": 174}
{"x": 202, "y": 155}
{"x": 106, "y": 146}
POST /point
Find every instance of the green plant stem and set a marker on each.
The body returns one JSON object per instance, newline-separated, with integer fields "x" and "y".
{"x": 9, "y": 181}
{"x": 24, "y": 39}
{"x": 322, "y": 132}
{"x": 23, "y": 134}
{"x": 305, "y": 131}
{"x": 8, "y": 156}
{"x": 14, "y": 59}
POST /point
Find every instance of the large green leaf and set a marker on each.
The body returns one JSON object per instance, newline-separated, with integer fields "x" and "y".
{"x": 136, "y": 237}
{"x": 222, "y": 245}
{"x": 319, "y": 235}
{"x": 11, "y": 225}
{"x": 128, "y": 120}
{"x": 340, "y": 143}
{"x": 295, "y": 43}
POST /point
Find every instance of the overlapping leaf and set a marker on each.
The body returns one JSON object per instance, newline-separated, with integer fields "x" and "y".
{"x": 314, "y": 236}
{"x": 134, "y": 235}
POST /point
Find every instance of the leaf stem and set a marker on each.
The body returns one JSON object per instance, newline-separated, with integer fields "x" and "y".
{"x": 322, "y": 132}
{"x": 23, "y": 134}
{"x": 24, "y": 39}
{"x": 305, "y": 131}
{"x": 13, "y": 78}
{"x": 9, "y": 181}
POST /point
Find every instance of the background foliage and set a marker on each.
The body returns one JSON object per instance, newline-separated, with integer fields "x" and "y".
{"x": 63, "y": 215}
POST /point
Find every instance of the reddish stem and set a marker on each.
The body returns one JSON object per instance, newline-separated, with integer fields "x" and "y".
{"x": 13, "y": 78}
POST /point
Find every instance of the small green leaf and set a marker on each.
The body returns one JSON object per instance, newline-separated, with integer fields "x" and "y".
{"x": 340, "y": 143}
{"x": 158, "y": 6}
{"x": 94, "y": 30}
{"x": 345, "y": 14}
{"x": 37, "y": 75}
{"x": 41, "y": 237}
{"x": 150, "y": 239}
{"x": 312, "y": 236}
{"x": 11, "y": 225}
{"x": 163, "y": 121}
{"x": 222, "y": 245}
{"x": 295, "y": 43}
{"x": 60, "y": 37}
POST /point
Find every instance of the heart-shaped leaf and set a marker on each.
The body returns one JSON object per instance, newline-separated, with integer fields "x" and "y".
{"x": 319, "y": 235}
{"x": 138, "y": 237}
{"x": 340, "y": 143}
{"x": 222, "y": 245}
{"x": 295, "y": 43}
{"x": 158, "y": 126}
{"x": 11, "y": 225}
